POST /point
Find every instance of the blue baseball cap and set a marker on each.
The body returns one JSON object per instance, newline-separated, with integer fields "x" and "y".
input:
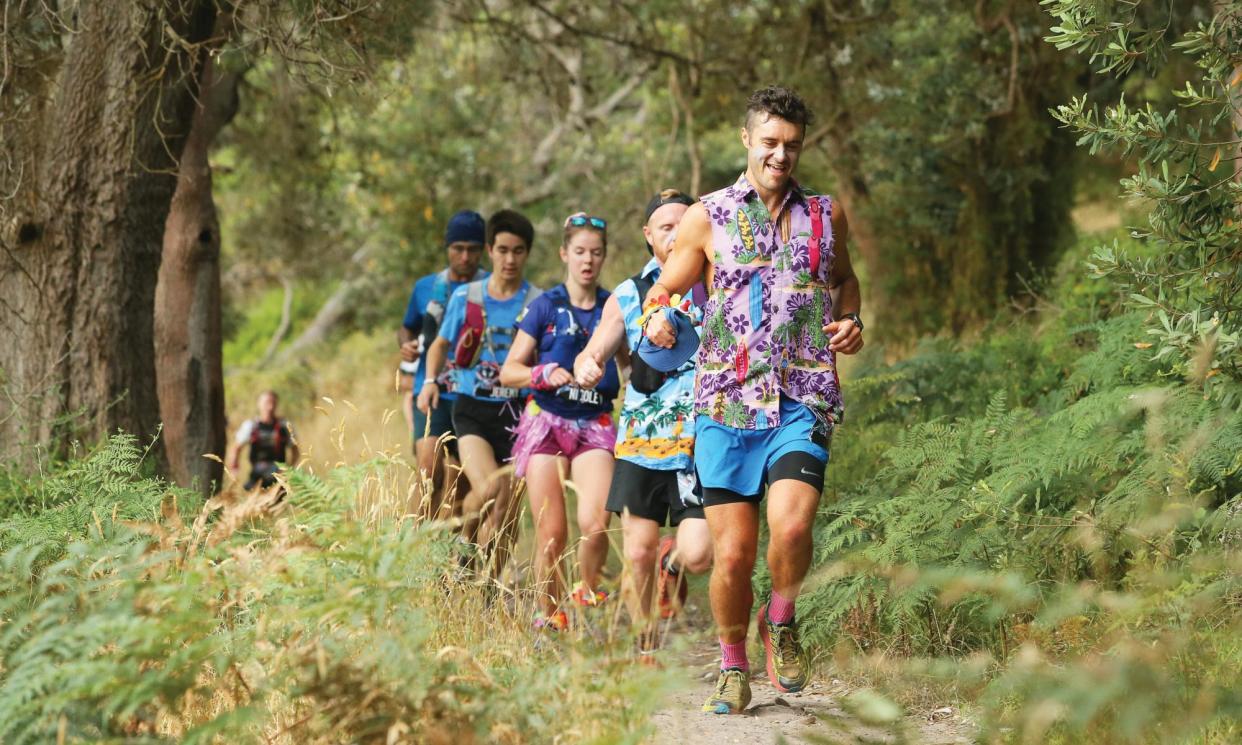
{"x": 667, "y": 360}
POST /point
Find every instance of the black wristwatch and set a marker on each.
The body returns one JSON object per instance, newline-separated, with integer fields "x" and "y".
{"x": 854, "y": 317}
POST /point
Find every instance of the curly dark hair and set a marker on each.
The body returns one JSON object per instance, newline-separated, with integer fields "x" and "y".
{"x": 778, "y": 101}
{"x": 511, "y": 221}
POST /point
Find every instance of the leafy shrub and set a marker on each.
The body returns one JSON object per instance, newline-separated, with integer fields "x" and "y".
{"x": 311, "y": 621}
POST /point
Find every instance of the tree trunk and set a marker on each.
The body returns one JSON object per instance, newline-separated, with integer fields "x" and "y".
{"x": 188, "y": 341}
{"x": 85, "y": 234}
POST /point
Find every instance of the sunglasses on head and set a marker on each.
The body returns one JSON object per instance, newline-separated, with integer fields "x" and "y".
{"x": 578, "y": 221}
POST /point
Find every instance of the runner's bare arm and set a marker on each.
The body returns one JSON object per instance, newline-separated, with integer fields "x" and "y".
{"x": 691, "y": 255}
{"x": 429, "y": 396}
{"x": 232, "y": 461}
{"x": 623, "y": 359}
{"x": 515, "y": 373}
{"x": 844, "y": 289}
{"x": 607, "y": 339}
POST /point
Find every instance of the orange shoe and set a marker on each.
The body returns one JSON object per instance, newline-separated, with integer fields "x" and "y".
{"x": 667, "y": 583}
{"x": 588, "y": 598}
{"x": 557, "y": 622}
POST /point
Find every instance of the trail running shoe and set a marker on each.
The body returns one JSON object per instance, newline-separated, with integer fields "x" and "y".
{"x": 646, "y": 648}
{"x": 558, "y": 621}
{"x": 786, "y": 663}
{"x": 587, "y": 598}
{"x": 732, "y": 694}
{"x": 667, "y": 583}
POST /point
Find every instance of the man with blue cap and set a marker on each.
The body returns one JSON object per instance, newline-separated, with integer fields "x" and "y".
{"x": 463, "y": 242}
{"x": 654, "y": 483}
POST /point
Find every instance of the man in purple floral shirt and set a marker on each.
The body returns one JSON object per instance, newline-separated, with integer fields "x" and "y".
{"x": 767, "y": 394}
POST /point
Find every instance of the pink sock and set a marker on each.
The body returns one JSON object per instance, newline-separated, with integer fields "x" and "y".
{"x": 780, "y": 610}
{"x": 733, "y": 655}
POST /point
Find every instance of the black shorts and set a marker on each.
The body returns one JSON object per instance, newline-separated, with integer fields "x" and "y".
{"x": 650, "y": 494}
{"x": 491, "y": 420}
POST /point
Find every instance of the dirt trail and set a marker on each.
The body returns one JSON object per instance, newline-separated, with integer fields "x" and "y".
{"x": 815, "y": 715}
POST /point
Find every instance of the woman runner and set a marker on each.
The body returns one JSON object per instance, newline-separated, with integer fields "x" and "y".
{"x": 564, "y": 425}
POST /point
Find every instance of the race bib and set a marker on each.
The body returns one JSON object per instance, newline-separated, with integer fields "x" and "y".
{"x": 576, "y": 395}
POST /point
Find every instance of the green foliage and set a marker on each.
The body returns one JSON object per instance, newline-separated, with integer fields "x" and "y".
{"x": 552, "y": 109}
{"x": 88, "y": 496}
{"x": 1055, "y": 498}
{"x": 319, "y": 622}
{"x": 1187, "y": 160}
{"x": 1054, "y": 525}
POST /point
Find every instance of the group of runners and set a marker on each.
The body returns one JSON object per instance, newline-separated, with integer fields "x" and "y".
{"x": 520, "y": 383}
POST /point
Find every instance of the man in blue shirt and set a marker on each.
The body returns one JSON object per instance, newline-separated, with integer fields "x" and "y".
{"x": 463, "y": 241}
{"x": 475, "y": 337}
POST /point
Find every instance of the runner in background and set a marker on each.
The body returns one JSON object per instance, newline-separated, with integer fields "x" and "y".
{"x": 477, "y": 333}
{"x": 271, "y": 443}
{"x": 565, "y": 430}
{"x": 463, "y": 241}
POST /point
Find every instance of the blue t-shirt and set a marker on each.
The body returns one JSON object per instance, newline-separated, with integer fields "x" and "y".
{"x": 501, "y": 316}
{"x": 437, "y": 287}
{"x": 561, "y": 331}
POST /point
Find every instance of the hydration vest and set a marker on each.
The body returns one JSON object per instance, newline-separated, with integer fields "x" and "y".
{"x": 565, "y": 337}
{"x": 269, "y": 442}
{"x": 434, "y": 312}
{"x": 643, "y": 377}
{"x": 474, "y": 333}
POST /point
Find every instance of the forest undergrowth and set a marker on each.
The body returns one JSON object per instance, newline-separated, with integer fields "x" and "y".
{"x": 133, "y": 613}
{"x": 1039, "y": 525}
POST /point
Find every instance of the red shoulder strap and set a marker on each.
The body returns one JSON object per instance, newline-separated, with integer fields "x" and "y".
{"x": 815, "y": 244}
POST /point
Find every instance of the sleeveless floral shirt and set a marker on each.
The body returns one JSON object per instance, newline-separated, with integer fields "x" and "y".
{"x": 763, "y": 322}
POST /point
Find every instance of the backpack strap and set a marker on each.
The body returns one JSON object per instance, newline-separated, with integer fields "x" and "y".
{"x": 642, "y": 285}
{"x": 532, "y": 294}
{"x": 474, "y": 292}
{"x": 473, "y": 329}
{"x": 643, "y": 377}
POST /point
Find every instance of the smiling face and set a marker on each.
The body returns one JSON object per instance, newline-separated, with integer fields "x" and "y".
{"x": 660, "y": 228}
{"x": 508, "y": 253}
{"x": 773, "y": 146}
{"x": 584, "y": 254}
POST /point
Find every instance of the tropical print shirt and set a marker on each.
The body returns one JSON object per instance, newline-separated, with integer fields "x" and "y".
{"x": 657, "y": 429}
{"x": 764, "y": 317}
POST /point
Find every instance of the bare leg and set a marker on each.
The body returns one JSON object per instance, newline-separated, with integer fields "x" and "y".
{"x": 592, "y": 474}
{"x": 547, "y": 506}
{"x": 478, "y": 462}
{"x": 791, "y": 516}
{"x": 641, "y": 538}
{"x": 693, "y": 553}
{"x": 432, "y": 467}
{"x": 735, "y": 539}
{"x": 407, "y": 408}
{"x": 499, "y": 531}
